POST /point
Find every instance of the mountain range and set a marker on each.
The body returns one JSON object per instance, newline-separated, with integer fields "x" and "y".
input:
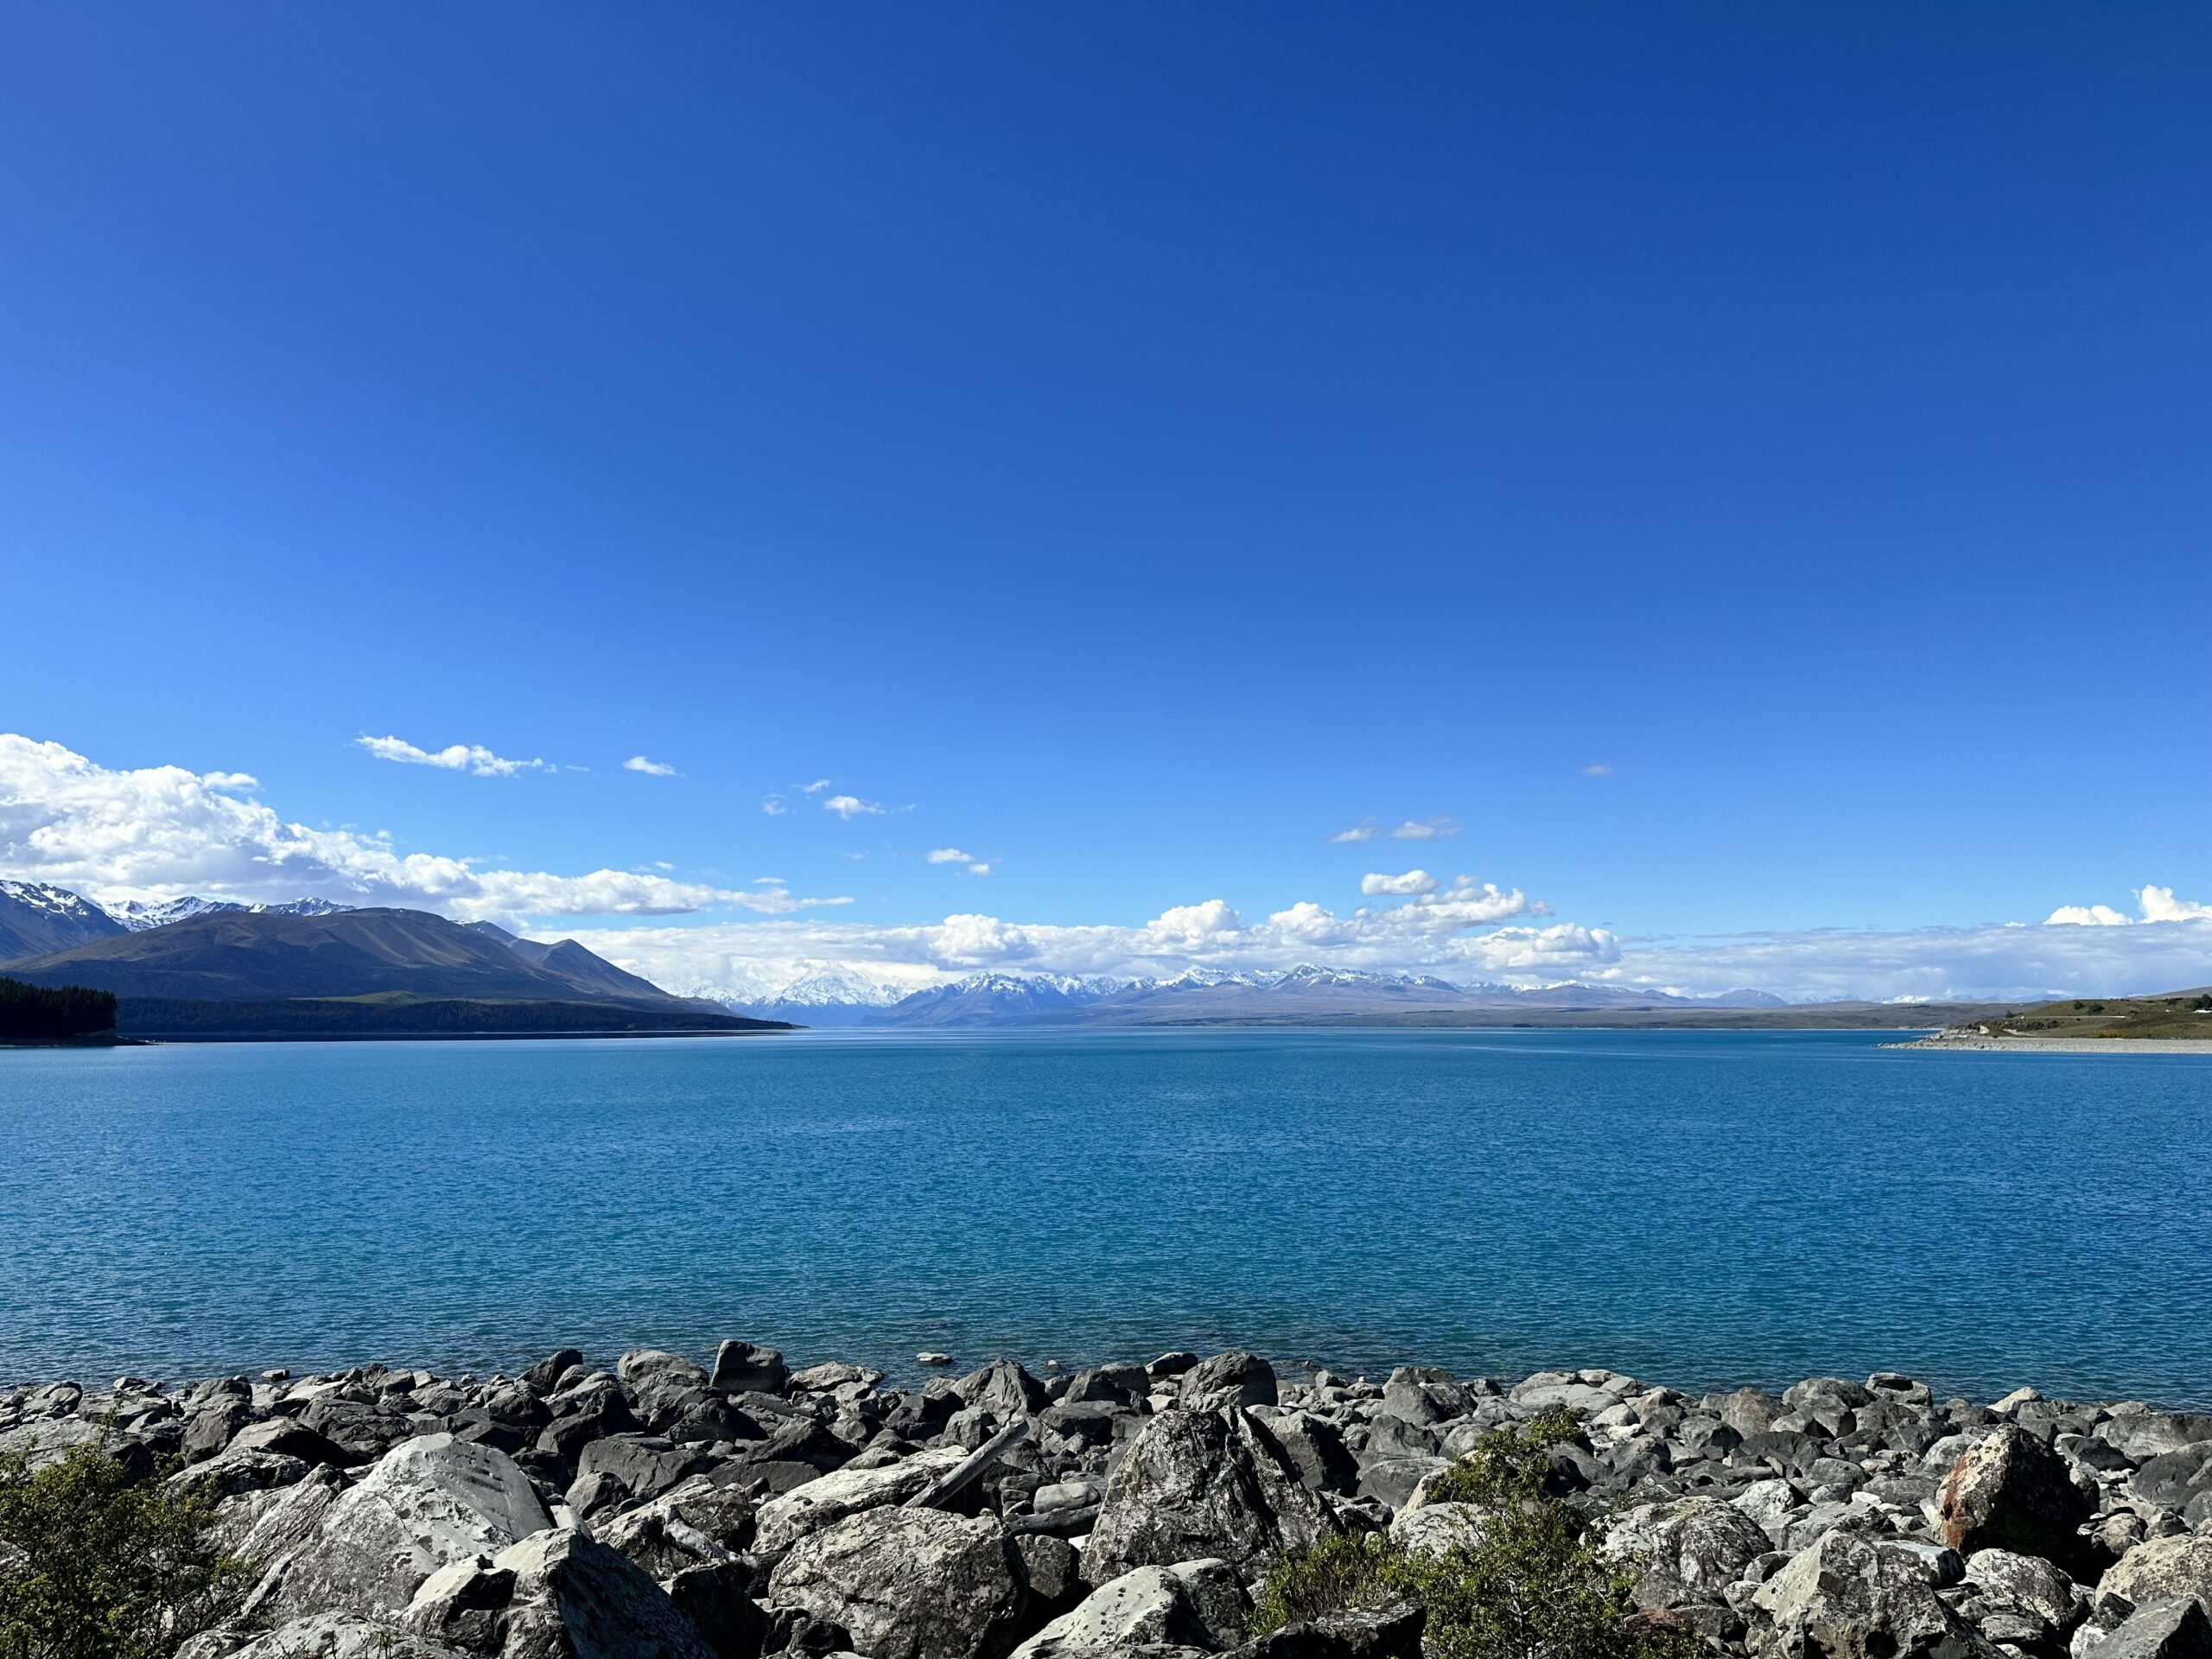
{"x": 1304, "y": 994}
{"x": 291, "y": 963}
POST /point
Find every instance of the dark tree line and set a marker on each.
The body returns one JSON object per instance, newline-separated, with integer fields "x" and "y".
{"x": 39, "y": 1014}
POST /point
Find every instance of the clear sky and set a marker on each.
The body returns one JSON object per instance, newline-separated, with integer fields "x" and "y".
{"x": 1743, "y": 469}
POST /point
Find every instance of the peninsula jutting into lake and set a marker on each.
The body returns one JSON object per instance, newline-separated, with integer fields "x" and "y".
{"x": 732, "y": 1506}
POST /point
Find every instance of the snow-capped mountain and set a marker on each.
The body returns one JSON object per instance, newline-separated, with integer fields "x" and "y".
{"x": 824, "y": 995}
{"x": 994, "y": 998}
{"x": 35, "y": 919}
{"x": 139, "y": 914}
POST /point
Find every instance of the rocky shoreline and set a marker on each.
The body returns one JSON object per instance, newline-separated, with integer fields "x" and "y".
{"x": 658, "y": 1508}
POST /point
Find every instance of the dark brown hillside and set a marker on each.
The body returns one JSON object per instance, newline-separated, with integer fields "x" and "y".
{"x": 352, "y": 953}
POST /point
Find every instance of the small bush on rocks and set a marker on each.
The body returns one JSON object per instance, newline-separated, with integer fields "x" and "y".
{"x": 95, "y": 1564}
{"x": 1536, "y": 1584}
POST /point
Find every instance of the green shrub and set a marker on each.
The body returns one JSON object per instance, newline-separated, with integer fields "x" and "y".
{"x": 1363, "y": 1570}
{"x": 95, "y": 1564}
{"x": 1536, "y": 1584}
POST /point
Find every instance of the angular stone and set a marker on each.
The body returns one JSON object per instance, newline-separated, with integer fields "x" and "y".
{"x": 335, "y": 1636}
{"x": 1852, "y": 1597}
{"x": 909, "y": 1584}
{"x": 429, "y": 1502}
{"x": 1195, "y": 1484}
{"x": 1690, "y": 1551}
{"x": 1236, "y": 1378}
{"x": 1186, "y": 1603}
{"x": 785, "y": 1520}
{"x": 576, "y": 1598}
{"x": 2157, "y": 1569}
{"x": 715, "y": 1596}
{"x": 2012, "y": 1492}
{"x": 740, "y": 1366}
{"x": 2174, "y": 1627}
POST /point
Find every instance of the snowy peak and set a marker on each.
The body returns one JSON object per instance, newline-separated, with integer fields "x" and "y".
{"x": 35, "y": 919}
{"x": 139, "y": 914}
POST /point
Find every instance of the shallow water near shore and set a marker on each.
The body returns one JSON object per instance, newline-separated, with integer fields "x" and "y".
{"x": 1699, "y": 1208}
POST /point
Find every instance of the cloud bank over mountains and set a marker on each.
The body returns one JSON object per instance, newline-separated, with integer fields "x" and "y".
{"x": 162, "y": 832}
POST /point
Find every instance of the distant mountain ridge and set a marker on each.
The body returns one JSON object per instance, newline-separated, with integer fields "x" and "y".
{"x": 213, "y": 951}
{"x": 36, "y": 919}
{"x": 1308, "y": 991}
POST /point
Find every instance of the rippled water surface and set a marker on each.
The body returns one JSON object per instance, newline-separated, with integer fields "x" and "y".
{"x": 1696, "y": 1207}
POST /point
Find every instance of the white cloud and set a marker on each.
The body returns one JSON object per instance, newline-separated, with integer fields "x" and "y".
{"x": 161, "y": 832}
{"x": 651, "y": 768}
{"x": 2160, "y": 905}
{"x": 773, "y": 805}
{"x": 814, "y": 788}
{"x": 2155, "y": 904}
{"x": 1599, "y": 770}
{"x": 1425, "y": 829}
{"x": 471, "y": 758}
{"x": 979, "y": 868}
{"x": 948, "y": 856}
{"x": 849, "y": 807}
{"x": 1358, "y": 832}
{"x": 2086, "y": 916}
{"x": 1412, "y": 882}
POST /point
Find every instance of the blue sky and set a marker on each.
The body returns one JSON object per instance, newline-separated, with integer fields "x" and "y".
{"x": 1137, "y": 444}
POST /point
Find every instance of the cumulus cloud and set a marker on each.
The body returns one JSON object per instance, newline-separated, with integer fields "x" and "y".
{"x": 651, "y": 768}
{"x": 1412, "y": 882}
{"x": 1426, "y": 829}
{"x": 2155, "y": 904}
{"x": 2160, "y": 905}
{"x": 814, "y": 788}
{"x": 472, "y": 758}
{"x": 2086, "y": 916}
{"x": 849, "y": 807}
{"x": 1599, "y": 770}
{"x": 162, "y": 832}
{"x": 1362, "y": 831}
{"x": 773, "y": 805}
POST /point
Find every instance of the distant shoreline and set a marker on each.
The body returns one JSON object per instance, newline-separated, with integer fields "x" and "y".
{"x": 2063, "y": 1045}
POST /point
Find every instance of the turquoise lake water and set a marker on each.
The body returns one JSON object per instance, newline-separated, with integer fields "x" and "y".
{"x": 1699, "y": 1208}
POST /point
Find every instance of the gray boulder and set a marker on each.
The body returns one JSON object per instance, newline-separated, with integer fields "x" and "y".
{"x": 327, "y": 1635}
{"x": 2158, "y": 1568}
{"x": 430, "y": 1501}
{"x": 716, "y": 1598}
{"x": 1688, "y": 1551}
{"x": 1235, "y": 1378}
{"x": 697, "y": 1523}
{"x": 574, "y": 1599}
{"x": 1854, "y": 1597}
{"x": 740, "y": 1367}
{"x": 2174, "y": 1628}
{"x": 785, "y": 1520}
{"x": 1195, "y": 1484}
{"x": 1197, "y": 1603}
{"x": 1424, "y": 1395}
{"x": 2030, "y": 1583}
{"x": 664, "y": 1385}
{"x": 909, "y": 1584}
